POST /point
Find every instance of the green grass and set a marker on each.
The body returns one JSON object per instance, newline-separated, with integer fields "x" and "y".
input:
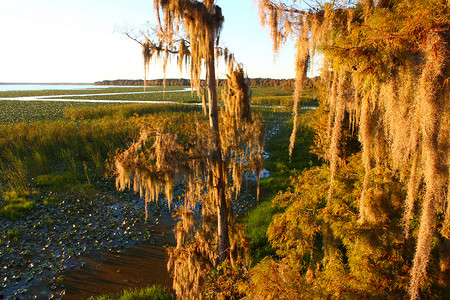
{"x": 169, "y": 96}
{"x": 149, "y": 293}
{"x": 14, "y": 204}
{"x": 58, "y": 180}
{"x": 51, "y": 201}
{"x": 282, "y": 170}
{"x": 12, "y": 111}
{"x": 256, "y": 224}
{"x": 281, "y": 167}
{"x": 271, "y": 92}
{"x": 125, "y": 110}
{"x": 281, "y": 97}
{"x": 13, "y": 235}
{"x": 41, "y": 148}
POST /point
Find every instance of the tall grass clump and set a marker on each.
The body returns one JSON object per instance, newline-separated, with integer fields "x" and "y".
{"x": 31, "y": 149}
{"x": 153, "y": 292}
{"x": 14, "y": 204}
{"x": 256, "y": 225}
{"x": 61, "y": 144}
{"x": 125, "y": 110}
{"x": 55, "y": 154}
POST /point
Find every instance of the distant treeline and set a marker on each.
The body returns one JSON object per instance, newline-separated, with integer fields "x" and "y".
{"x": 254, "y": 82}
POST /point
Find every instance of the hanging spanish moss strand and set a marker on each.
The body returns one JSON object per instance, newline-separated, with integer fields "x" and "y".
{"x": 366, "y": 124}
{"x": 400, "y": 72}
{"x": 446, "y": 137}
{"x": 413, "y": 186}
{"x": 301, "y": 66}
{"x": 210, "y": 157}
{"x": 446, "y": 225}
{"x": 432, "y": 104}
{"x": 336, "y": 132}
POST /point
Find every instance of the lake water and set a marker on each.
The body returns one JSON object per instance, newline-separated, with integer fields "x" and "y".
{"x": 39, "y": 87}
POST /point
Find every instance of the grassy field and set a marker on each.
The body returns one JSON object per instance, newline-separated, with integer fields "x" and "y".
{"x": 150, "y": 293}
{"x": 163, "y": 96}
{"x": 26, "y": 111}
{"x": 40, "y": 138}
{"x": 11, "y": 111}
{"x": 47, "y": 138}
{"x": 281, "y": 97}
{"x": 54, "y": 151}
{"x": 16, "y": 111}
{"x": 93, "y": 90}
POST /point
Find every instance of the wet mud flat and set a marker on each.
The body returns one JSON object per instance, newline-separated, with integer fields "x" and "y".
{"x": 90, "y": 245}
{"x": 138, "y": 266}
{"x": 112, "y": 272}
{"x": 40, "y": 248}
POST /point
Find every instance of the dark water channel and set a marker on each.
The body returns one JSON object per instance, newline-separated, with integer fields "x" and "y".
{"x": 136, "y": 267}
{"x": 133, "y": 255}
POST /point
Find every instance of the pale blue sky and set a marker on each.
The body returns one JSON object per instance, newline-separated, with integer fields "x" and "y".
{"x": 76, "y": 41}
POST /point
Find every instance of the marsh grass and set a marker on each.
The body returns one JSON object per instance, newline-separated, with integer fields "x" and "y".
{"x": 256, "y": 224}
{"x": 271, "y": 92}
{"x": 30, "y": 150}
{"x": 58, "y": 180}
{"x": 94, "y": 90}
{"x": 15, "y": 111}
{"x": 279, "y": 164}
{"x": 169, "y": 96}
{"x": 149, "y": 293}
{"x": 282, "y": 97}
{"x": 62, "y": 154}
{"x": 13, "y": 235}
{"x": 12, "y": 111}
{"x": 125, "y": 110}
{"x": 282, "y": 170}
{"x": 62, "y": 145}
{"x": 14, "y": 204}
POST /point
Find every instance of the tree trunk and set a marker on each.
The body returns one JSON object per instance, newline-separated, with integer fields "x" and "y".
{"x": 216, "y": 155}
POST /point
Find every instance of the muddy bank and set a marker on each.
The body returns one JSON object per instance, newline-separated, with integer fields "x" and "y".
{"x": 37, "y": 249}
{"x": 88, "y": 243}
{"x": 136, "y": 267}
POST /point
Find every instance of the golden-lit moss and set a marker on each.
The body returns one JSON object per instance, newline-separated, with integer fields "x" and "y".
{"x": 204, "y": 156}
{"x": 395, "y": 58}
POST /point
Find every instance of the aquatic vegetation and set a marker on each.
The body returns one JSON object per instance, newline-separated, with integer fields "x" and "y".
{"x": 233, "y": 142}
{"x": 94, "y": 90}
{"x": 29, "y": 111}
{"x": 13, "y": 204}
{"x": 46, "y": 241}
{"x": 184, "y": 96}
{"x": 150, "y": 293}
{"x": 52, "y": 154}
